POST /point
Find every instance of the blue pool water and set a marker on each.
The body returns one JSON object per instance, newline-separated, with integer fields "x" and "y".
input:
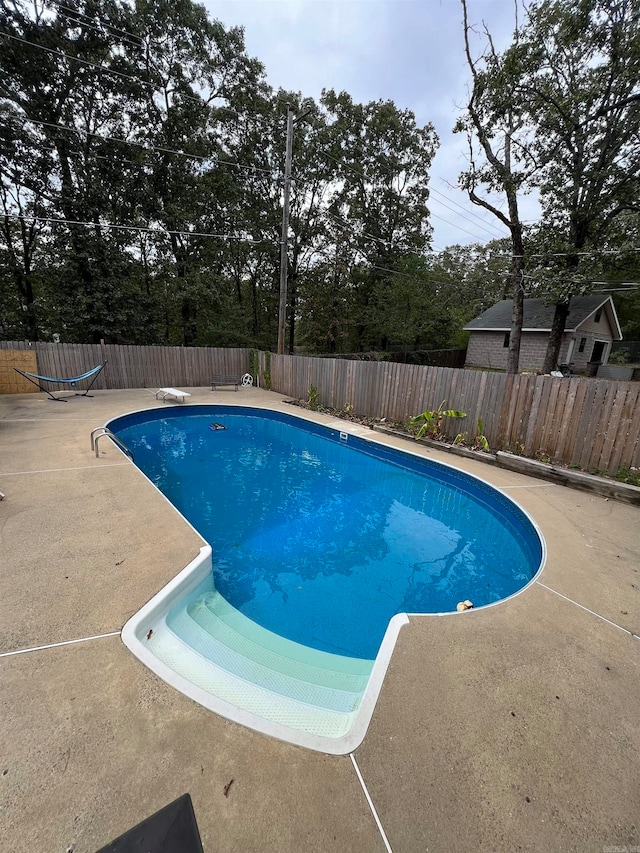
{"x": 323, "y": 540}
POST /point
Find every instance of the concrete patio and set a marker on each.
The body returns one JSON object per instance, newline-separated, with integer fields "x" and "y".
{"x": 516, "y": 727}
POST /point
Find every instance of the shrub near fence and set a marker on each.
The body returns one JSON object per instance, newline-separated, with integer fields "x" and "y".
{"x": 593, "y": 424}
{"x": 136, "y": 367}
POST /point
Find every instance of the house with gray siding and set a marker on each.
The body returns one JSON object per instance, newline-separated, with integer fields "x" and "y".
{"x": 591, "y": 328}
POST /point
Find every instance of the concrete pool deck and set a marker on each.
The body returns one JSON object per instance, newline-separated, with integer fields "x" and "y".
{"x": 516, "y": 727}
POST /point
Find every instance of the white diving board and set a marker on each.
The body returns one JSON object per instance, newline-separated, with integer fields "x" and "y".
{"x": 165, "y": 394}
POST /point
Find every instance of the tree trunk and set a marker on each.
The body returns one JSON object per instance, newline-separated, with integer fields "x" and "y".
{"x": 517, "y": 289}
{"x": 515, "y": 336}
{"x": 189, "y": 324}
{"x": 555, "y": 338}
{"x": 292, "y": 311}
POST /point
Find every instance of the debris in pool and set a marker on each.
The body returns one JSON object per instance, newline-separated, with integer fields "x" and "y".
{"x": 214, "y": 426}
{"x": 150, "y": 633}
{"x": 464, "y": 605}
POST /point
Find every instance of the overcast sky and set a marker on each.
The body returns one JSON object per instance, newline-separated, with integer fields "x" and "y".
{"x": 407, "y": 51}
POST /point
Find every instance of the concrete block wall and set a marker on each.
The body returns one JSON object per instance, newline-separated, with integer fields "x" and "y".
{"x": 486, "y": 349}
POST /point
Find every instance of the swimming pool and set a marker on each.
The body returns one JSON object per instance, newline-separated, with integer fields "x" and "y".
{"x": 320, "y": 538}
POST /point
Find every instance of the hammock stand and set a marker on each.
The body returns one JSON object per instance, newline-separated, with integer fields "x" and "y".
{"x": 36, "y": 379}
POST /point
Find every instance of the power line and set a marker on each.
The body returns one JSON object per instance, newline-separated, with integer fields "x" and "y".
{"x": 418, "y": 275}
{"x": 131, "y": 38}
{"x": 486, "y": 227}
{"x": 136, "y": 41}
{"x": 592, "y": 253}
{"x": 431, "y": 189}
{"x": 161, "y": 149}
{"x": 122, "y": 75}
{"x": 590, "y": 281}
{"x": 139, "y": 228}
{"x": 189, "y": 97}
{"x": 345, "y": 224}
{"x": 469, "y": 213}
{"x": 364, "y": 177}
{"x": 453, "y": 225}
{"x": 388, "y": 243}
{"x": 421, "y": 275}
{"x": 60, "y": 53}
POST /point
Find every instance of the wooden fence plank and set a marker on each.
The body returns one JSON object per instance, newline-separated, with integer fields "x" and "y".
{"x": 566, "y": 416}
{"x": 623, "y": 450}
{"x": 616, "y": 430}
{"x": 525, "y": 397}
{"x": 590, "y": 424}
{"x": 634, "y": 440}
{"x": 538, "y": 432}
{"x": 604, "y": 424}
{"x": 572, "y": 434}
{"x": 514, "y": 412}
{"x": 492, "y": 408}
{"x": 553, "y": 416}
{"x": 503, "y": 423}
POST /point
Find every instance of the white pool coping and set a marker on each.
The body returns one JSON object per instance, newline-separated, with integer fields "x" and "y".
{"x": 156, "y": 609}
{"x": 148, "y": 617}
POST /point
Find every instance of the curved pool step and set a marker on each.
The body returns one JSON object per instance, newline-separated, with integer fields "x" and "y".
{"x": 280, "y": 710}
{"x": 235, "y": 630}
{"x": 280, "y": 675}
{"x": 234, "y": 660}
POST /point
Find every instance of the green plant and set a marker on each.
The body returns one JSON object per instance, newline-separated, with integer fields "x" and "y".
{"x": 432, "y": 420}
{"x": 253, "y": 363}
{"x": 628, "y": 475}
{"x": 481, "y": 442}
{"x": 312, "y": 398}
{"x": 598, "y": 472}
{"x": 619, "y": 356}
{"x": 266, "y": 376}
{"x": 518, "y": 449}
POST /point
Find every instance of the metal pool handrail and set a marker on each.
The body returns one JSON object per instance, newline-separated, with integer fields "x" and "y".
{"x": 117, "y": 441}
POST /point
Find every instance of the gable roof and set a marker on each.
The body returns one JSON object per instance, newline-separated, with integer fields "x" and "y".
{"x": 538, "y": 315}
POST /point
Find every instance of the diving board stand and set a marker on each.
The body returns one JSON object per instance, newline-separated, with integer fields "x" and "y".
{"x": 36, "y": 379}
{"x": 165, "y": 394}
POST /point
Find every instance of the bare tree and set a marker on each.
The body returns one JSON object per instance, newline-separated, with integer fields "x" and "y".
{"x": 497, "y": 129}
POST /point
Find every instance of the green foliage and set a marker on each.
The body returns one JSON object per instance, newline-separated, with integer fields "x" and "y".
{"x": 628, "y": 475}
{"x": 557, "y": 112}
{"x": 619, "y": 356}
{"x": 480, "y": 442}
{"x": 155, "y": 148}
{"x": 312, "y": 398}
{"x": 431, "y": 420}
{"x": 266, "y": 376}
{"x": 253, "y": 363}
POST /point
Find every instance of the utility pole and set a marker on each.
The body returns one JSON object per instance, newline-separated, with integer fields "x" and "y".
{"x": 284, "y": 240}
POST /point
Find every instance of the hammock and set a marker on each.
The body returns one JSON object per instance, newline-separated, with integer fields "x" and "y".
{"x": 36, "y": 379}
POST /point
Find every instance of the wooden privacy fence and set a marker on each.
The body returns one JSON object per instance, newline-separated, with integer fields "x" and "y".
{"x": 590, "y": 423}
{"x": 593, "y": 424}
{"x": 134, "y": 367}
